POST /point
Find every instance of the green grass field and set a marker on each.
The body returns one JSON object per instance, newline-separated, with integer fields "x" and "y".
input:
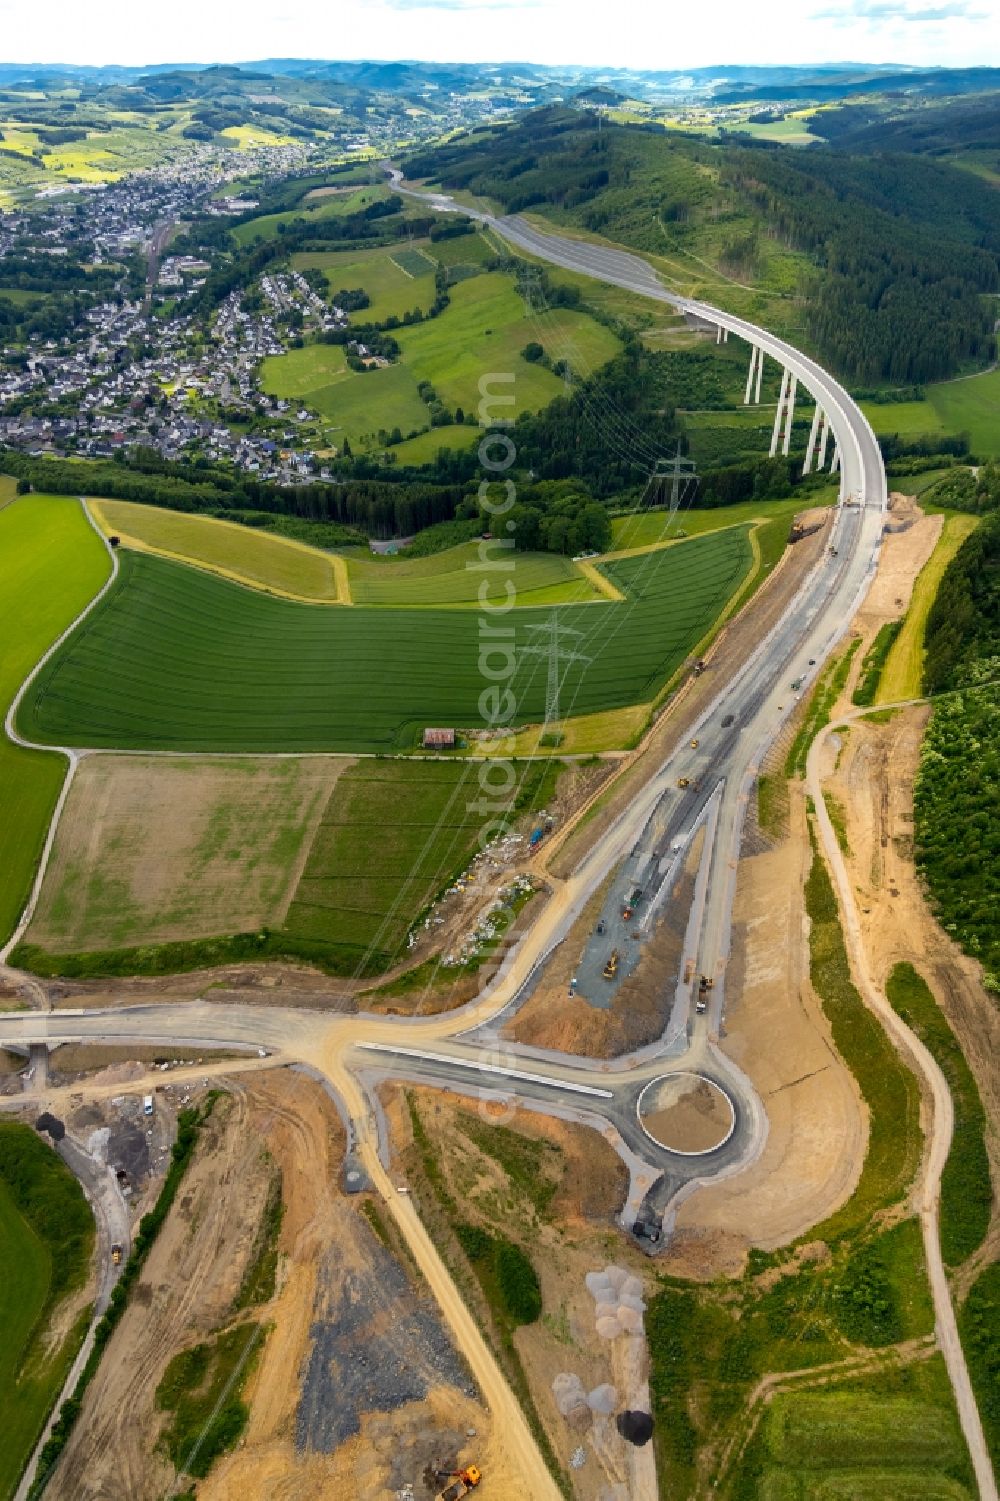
{"x": 267, "y": 226}
{"x": 649, "y": 528}
{"x": 453, "y": 578}
{"x": 971, "y": 406}
{"x": 857, "y": 1446}
{"x": 41, "y": 1205}
{"x": 303, "y": 372}
{"x": 51, "y": 563}
{"x": 265, "y": 561}
{"x": 910, "y": 419}
{"x": 396, "y": 280}
{"x": 179, "y": 659}
{"x": 957, "y": 406}
{"x": 484, "y": 329}
{"x": 424, "y": 447}
{"x": 393, "y": 834}
{"x": 355, "y": 406}
{"x": 902, "y": 676}
{"x": 23, "y": 1292}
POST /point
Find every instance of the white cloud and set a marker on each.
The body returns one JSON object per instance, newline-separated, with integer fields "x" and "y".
{"x": 635, "y": 33}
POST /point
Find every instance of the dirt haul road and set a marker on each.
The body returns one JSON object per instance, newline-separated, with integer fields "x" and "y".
{"x": 516, "y": 1463}
{"x": 812, "y": 627}
{"x": 928, "y": 1193}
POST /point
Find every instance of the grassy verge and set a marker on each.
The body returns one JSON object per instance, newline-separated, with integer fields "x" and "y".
{"x": 889, "y": 1089}
{"x": 261, "y": 1274}
{"x": 819, "y": 708}
{"x": 979, "y": 1326}
{"x": 903, "y": 672}
{"x": 772, "y": 804}
{"x": 838, "y": 818}
{"x": 189, "y": 1123}
{"x": 46, "y": 1239}
{"x": 966, "y": 1190}
{"x": 201, "y": 1389}
{"x": 874, "y": 664}
{"x": 891, "y": 1432}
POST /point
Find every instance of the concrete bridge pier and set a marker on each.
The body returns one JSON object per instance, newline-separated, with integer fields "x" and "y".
{"x": 756, "y": 354}
{"x": 779, "y": 414}
{"x": 819, "y": 416}
{"x": 793, "y": 386}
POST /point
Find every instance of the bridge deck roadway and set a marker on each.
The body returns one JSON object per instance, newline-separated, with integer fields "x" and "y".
{"x": 722, "y": 767}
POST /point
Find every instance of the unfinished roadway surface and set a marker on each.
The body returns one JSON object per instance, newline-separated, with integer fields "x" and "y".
{"x": 461, "y": 1050}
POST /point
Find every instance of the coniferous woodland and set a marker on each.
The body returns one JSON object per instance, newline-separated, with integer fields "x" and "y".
{"x": 957, "y": 795}
{"x": 904, "y": 249}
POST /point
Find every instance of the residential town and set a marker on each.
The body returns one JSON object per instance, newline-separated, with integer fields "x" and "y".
{"x": 146, "y": 370}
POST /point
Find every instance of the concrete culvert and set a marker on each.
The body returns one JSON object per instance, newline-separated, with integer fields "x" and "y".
{"x": 635, "y": 1427}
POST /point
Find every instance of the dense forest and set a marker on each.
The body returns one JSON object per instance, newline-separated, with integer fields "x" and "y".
{"x": 957, "y": 795}
{"x": 940, "y": 130}
{"x": 904, "y": 248}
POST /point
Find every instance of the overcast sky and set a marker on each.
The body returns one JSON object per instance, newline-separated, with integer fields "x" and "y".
{"x": 637, "y": 33}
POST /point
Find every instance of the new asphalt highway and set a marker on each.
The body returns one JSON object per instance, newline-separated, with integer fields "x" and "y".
{"x": 462, "y": 1050}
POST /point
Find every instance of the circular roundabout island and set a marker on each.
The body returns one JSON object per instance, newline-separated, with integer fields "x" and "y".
{"x": 686, "y": 1113}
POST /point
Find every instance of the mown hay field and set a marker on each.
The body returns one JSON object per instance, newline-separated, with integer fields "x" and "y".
{"x": 176, "y": 659}
{"x": 264, "y": 561}
{"x": 159, "y": 849}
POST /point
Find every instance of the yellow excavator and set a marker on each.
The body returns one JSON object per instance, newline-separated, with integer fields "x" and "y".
{"x": 463, "y": 1481}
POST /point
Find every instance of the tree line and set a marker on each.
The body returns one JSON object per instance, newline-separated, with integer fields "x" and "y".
{"x": 957, "y": 791}
{"x": 903, "y": 247}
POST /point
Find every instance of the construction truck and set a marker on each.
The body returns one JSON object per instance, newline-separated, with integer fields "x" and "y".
{"x": 463, "y": 1481}
{"x": 704, "y": 986}
{"x": 611, "y": 968}
{"x": 116, "y": 1254}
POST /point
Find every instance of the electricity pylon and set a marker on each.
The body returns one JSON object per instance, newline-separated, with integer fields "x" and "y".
{"x": 555, "y": 633}
{"x": 675, "y": 470}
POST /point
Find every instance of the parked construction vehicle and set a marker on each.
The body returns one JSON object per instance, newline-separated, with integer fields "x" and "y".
{"x": 683, "y": 781}
{"x": 463, "y": 1481}
{"x": 611, "y": 968}
{"x": 116, "y": 1254}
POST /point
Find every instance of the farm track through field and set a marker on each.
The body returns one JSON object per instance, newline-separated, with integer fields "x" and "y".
{"x": 814, "y": 624}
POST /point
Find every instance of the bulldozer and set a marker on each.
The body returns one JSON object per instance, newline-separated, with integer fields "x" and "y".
{"x": 463, "y": 1481}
